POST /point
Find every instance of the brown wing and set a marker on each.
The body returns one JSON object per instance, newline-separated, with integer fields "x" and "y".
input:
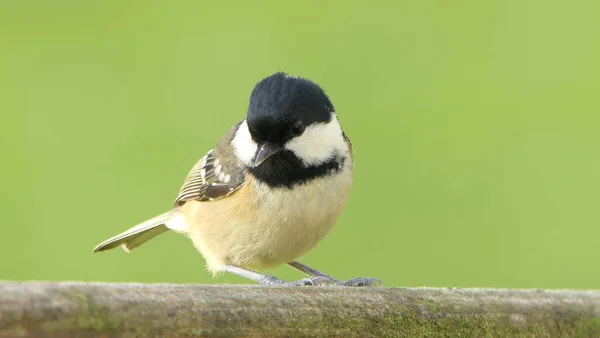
{"x": 210, "y": 179}
{"x": 217, "y": 175}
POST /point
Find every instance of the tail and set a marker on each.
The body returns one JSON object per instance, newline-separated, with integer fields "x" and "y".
{"x": 140, "y": 233}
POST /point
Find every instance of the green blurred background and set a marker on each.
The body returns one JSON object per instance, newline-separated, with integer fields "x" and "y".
{"x": 475, "y": 126}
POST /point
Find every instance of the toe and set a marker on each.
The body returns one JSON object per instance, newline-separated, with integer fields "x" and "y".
{"x": 304, "y": 282}
{"x": 323, "y": 280}
{"x": 362, "y": 281}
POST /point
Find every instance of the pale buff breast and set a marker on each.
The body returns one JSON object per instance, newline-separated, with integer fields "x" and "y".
{"x": 273, "y": 227}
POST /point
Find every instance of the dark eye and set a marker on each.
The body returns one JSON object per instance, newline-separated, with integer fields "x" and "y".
{"x": 297, "y": 128}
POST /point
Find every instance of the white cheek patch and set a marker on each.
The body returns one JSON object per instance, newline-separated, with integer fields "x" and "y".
{"x": 319, "y": 143}
{"x": 243, "y": 144}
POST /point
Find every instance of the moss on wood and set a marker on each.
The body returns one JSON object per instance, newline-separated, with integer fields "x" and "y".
{"x": 99, "y": 309}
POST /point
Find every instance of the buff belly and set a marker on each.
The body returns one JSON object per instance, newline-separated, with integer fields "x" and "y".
{"x": 258, "y": 227}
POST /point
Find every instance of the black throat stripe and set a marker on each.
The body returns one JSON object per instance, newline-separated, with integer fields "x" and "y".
{"x": 287, "y": 170}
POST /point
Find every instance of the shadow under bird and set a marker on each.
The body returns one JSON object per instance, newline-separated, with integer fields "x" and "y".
{"x": 271, "y": 189}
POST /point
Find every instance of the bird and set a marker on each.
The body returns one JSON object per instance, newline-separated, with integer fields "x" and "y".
{"x": 269, "y": 191}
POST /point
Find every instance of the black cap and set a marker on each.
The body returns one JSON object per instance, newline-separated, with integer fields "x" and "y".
{"x": 279, "y": 101}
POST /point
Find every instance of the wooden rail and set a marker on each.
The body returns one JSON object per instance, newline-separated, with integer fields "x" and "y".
{"x": 74, "y": 309}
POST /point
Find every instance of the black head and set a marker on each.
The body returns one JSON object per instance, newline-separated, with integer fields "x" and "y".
{"x": 294, "y": 130}
{"x": 281, "y": 106}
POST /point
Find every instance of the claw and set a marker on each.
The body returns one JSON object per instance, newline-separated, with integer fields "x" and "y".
{"x": 304, "y": 282}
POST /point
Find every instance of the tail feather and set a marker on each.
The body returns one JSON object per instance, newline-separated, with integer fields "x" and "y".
{"x": 143, "y": 237}
{"x": 139, "y": 234}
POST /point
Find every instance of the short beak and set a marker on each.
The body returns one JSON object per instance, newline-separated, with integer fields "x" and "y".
{"x": 265, "y": 151}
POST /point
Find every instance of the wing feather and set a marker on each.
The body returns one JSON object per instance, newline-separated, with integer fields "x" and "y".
{"x": 211, "y": 178}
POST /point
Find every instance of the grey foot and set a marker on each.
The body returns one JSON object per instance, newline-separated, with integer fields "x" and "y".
{"x": 316, "y": 278}
{"x": 354, "y": 282}
{"x": 362, "y": 281}
{"x": 272, "y": 280}
{"x": 320, "y": 278}
{"x": 266, "y": 279}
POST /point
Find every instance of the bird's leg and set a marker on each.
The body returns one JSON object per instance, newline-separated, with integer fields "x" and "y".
{"x": 265, "y": 279}
{"x": 307, "y": 269}
{"x": 321, "y": 278}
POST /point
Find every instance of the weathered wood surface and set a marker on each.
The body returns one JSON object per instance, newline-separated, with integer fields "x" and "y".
{"x": 73, "y": 309}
